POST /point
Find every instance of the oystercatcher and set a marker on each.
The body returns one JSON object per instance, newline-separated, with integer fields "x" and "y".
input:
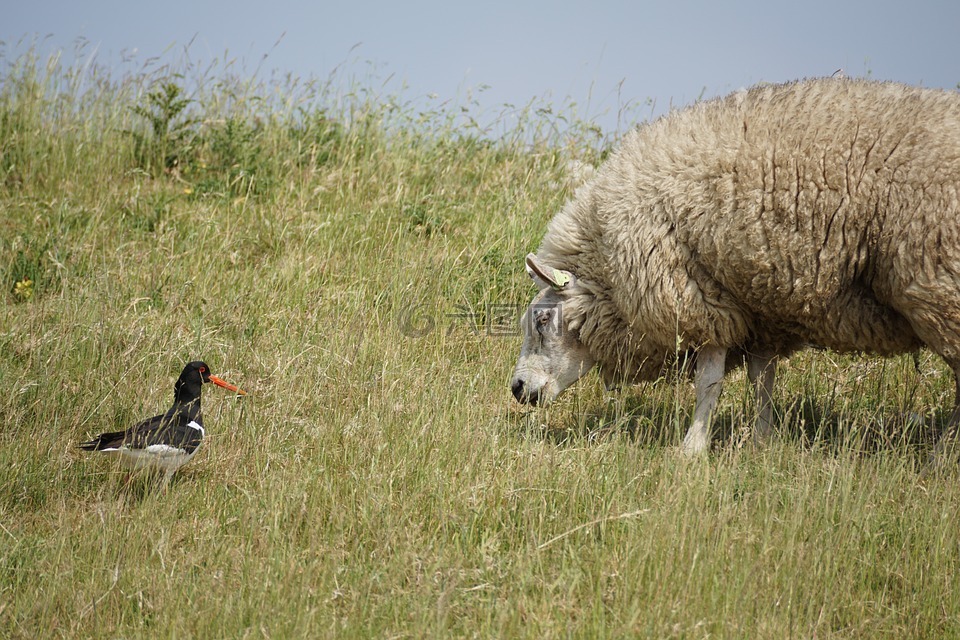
{"x": 165, "y": 442}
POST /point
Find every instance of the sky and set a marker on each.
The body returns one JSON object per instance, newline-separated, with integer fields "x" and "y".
{"x": 619, "y": 62}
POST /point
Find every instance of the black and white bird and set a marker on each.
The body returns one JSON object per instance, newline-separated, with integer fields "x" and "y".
{"x": 165, "y": 442}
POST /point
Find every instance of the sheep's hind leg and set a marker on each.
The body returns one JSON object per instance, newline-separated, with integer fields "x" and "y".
{"x": 708, "y": 381}
{"x": 762, "y": 370}
{"x": 948, "y": 438}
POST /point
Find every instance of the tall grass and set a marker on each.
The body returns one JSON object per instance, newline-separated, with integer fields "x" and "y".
{"x": 350, "y": 259}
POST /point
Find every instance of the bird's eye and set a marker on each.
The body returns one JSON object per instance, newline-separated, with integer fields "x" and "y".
{"x": 203, "y": 369}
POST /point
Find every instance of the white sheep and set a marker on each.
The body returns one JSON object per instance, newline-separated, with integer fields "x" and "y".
{"x": 822, "y": 212}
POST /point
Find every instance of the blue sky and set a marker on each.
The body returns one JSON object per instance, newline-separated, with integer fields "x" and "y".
{"x": 601, "y": 54}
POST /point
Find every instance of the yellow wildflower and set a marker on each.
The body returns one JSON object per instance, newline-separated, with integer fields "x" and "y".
{"x": 23, "y": 290}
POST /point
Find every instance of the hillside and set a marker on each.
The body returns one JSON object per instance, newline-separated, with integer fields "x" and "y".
{"x": 355, "y": 265}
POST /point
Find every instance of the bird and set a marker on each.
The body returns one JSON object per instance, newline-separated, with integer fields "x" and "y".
{"x": 167, "y": 441}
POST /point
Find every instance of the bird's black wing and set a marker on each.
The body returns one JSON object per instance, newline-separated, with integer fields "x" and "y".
{"x": 167, "y": 429}
{"x": 111, "y": 440}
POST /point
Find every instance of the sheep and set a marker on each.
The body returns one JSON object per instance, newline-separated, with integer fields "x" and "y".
{"x": 821, "y": 212}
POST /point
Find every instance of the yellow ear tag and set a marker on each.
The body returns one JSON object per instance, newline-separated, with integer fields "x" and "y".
{"x": 560, "y": 278}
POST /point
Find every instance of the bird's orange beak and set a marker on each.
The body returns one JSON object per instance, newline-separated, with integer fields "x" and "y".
{"x": 220, "y": 382}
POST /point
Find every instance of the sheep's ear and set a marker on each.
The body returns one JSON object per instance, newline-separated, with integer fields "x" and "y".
{"x": 546, "y": 276}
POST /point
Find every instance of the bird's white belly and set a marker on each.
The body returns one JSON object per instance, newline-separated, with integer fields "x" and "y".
{"x": 158, "y": 456}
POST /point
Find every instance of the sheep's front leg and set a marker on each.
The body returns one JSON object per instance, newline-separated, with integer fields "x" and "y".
{"x": 708, "y": 381}
{"x": 762, "y": 369}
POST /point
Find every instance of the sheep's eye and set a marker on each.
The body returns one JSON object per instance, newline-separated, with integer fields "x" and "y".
{"x": 542, "y": 320}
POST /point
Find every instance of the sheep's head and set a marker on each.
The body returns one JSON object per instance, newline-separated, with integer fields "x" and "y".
{"x": 552, "y": 356}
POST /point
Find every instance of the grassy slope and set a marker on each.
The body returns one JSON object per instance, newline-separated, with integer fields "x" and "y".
{"x": 380, "y": 483}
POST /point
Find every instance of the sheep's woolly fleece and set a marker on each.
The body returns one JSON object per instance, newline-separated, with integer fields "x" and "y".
{"x": 820, "y": 212}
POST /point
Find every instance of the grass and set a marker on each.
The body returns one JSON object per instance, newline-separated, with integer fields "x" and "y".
{"x": 349, "y": 263}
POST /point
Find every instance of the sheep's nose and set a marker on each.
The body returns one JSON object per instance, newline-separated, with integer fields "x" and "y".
{"x": 522, "y": 395}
